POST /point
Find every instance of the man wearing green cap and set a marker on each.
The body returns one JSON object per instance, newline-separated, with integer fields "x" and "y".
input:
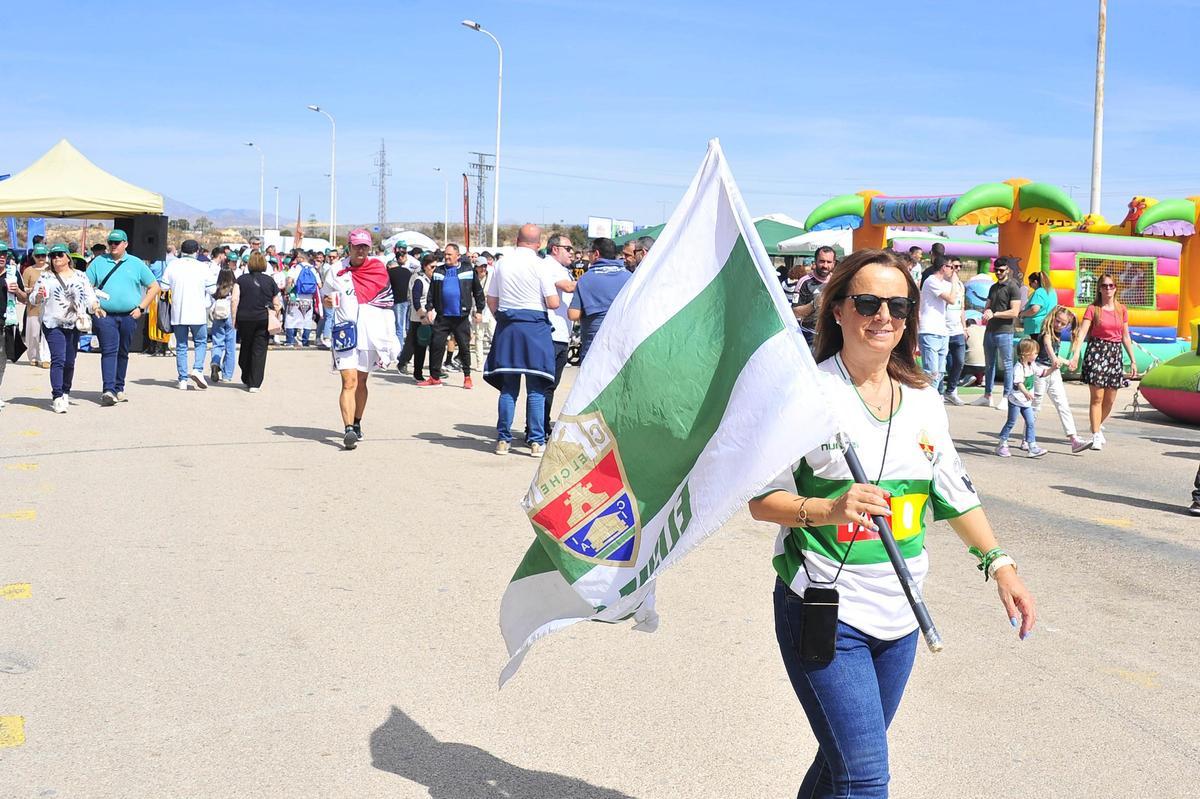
{"x": 126, "y": 287}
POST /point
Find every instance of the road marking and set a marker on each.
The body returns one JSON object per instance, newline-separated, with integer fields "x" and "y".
{"x": 21, "y": 467}
{"x": 12, "y": 731}
{"x": 23, "y": 515}
{"x": 29, "y": 433}
{"x": 1122, "y": 523}
{"x": 16, "y": 591}
{"x": 1142, "y": 679}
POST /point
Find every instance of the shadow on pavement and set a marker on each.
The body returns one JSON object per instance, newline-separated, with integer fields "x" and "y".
{"x": 319, "y": 435}
{"x": 1173, "y": 442}
{"x": 1133, "y": 502}
{"x": 460, "y": 771}
{"x": 150, "y": 381}
{"x": 481, "y": 430}
{"x": 457, "y": 442}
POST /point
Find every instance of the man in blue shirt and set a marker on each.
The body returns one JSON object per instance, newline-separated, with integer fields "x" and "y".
{"x": 596, "y": 290}
{"x": 126, "y": 287}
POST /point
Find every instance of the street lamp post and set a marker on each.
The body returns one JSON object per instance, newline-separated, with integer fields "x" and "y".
{"x": 1098, "y": 110}
{"x": 262, "y": 176}
{"x": 499, "y": 97}
{"x": 332, "y": 173}
{"x": 277, "y": 208}
{"x": 445, "y": 205}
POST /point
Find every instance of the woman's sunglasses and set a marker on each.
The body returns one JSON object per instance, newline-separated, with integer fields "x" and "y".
{"x": 869, "y": 304}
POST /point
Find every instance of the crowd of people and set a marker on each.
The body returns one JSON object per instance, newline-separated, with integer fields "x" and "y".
{"x": 411, "y": 310}
{"x": 1023, "y": 331}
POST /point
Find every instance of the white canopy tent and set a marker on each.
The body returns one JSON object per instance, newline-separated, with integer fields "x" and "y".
{"x": 807, "y": 243}
{"x": 410, "y": 237}
{"x": 64, "y": 184}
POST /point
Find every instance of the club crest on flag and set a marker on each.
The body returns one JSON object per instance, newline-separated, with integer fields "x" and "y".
{"x": 581, "y": 497}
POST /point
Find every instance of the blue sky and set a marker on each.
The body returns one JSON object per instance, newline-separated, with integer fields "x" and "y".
{"x": 808, "y": 99}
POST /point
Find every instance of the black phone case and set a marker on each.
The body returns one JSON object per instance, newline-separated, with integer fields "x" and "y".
{"x": 818, "y": 636}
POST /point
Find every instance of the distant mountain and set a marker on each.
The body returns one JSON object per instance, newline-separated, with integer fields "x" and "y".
{"x": 221, "y": 217}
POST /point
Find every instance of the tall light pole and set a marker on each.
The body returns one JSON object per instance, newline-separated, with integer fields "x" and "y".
{"x": 1098, "y": 119}
{"x": 277, "y": 208}
{"x": 473, "y": 25}
{"x": 332, "y": 173}
{"x": 445, "y": 205}
{"x": 262, "y": 177}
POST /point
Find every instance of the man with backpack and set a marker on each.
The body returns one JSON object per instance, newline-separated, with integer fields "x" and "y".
{"x": 303, "y": 284}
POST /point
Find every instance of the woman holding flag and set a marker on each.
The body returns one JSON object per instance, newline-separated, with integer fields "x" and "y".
{"x": 845, "y": 629}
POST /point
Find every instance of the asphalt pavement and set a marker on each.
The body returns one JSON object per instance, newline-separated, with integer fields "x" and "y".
{"x": 203, "y": 595}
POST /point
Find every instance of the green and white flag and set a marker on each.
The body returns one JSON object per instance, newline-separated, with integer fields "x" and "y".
{"x": 697, "y": 392}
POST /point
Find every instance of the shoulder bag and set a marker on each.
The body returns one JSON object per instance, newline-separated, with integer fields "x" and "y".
{"x": 274, "y": 318}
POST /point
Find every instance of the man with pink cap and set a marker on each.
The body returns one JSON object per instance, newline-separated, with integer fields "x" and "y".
{"x": 359, "y": 295}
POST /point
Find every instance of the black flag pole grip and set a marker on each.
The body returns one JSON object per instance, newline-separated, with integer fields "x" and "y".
{"x": 932, "y": 638}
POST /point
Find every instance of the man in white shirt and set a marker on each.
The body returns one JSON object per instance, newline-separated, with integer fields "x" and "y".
{"x": 519, "y": 293}
{"x": 191, "y": 287}
{"x": 559, "y": 255}
{"x": 933, "y": 336}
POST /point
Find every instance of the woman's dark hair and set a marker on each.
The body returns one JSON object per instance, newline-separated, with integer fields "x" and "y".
{"x": 1098, "y": 298}
{"x": 224, "y": 283}
{"x": 1035, "y": 277}
{"x": 902, "y": 366}
{"x": 428, "y": 258}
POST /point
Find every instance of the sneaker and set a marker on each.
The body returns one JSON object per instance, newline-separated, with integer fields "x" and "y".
{"x": 120, "y": 397}
{"x": 183, "y": 385}
{"x": 467, "y": 382}
{"x": 502, "y": 447}
{"x": 1025, "y": 445}
{"x": 108, "y": 399}
{"x": 953, "y": 399}
{"x": 253, "y": 389}
{"x": 198, "y": 379}
{"x": 358, "y": 430}
{"x": 1194, "y": 509}
{"x": 1036, "y": 452}
{"x": 1079, "y": 445}
{"x": 350, "y": 439}
{"x": 433, "y": 381}
{"x": 1003, "y": 452}
{"x": 1000, "y": 404}
{"x": 402, "y": 368}
{"x": 1098, "y": 441}
{"x": 214, "y": 373}
{"x": 537, "y": 450}
{"x": 67, "y": 397}
{"x": 58, "y": 405}
{"x": 983, "y": 401}
{"x": 44, "y": 364}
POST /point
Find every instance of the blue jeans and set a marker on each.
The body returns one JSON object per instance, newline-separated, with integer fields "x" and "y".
{"x": 535, "y": 406}
{"x": 997, "y": 345}
{"x": 115, "y": 332}
{"x": 933, "y": 356}
{"x": 400, "y": 309}
{"x": 325, "y": 329}
{"x": 199, "y": 335}
{"x": 224, "y": 346}
{"x": 292, "y": 332}
{"x": 956, "y": 358}
{"x": 64, "y": 346}
{"x": 849, "y": 703}
{"x": 1015, "y": 410}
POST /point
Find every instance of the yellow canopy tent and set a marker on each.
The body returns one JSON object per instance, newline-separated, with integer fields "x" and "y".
{"x": 64, "y": 184}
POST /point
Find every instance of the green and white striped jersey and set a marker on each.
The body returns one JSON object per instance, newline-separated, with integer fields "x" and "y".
{"x": 922, "y": 471}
